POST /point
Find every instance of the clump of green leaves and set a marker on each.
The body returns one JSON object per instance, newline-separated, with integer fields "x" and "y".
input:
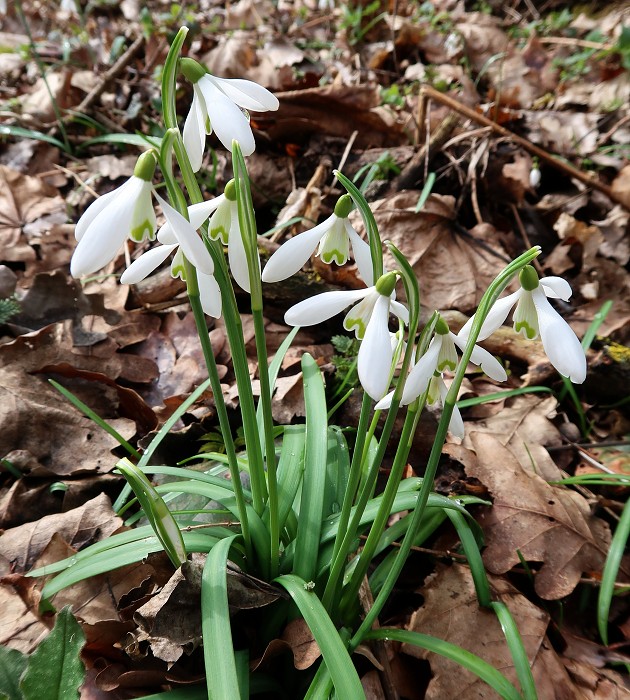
{"x": 358, "y": 20}
{"x": 9, "y": 307}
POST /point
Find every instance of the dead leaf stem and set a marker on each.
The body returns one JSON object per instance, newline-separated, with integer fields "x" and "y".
{"x": 549, "y": 158}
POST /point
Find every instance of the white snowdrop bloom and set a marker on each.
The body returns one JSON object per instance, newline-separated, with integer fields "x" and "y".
{"x": 437, "y": 393}
{"x": 535, "y": 316}
{"x": 69, "y": 6}
{"x": 125, "y": 212}
{"x": 368, "y": 318}
{"x": 218, "y": 105}
{"x": 334, "y": 237}
{"x": 187, "y": 240}
{"x": 440, "y": 356}
{"x": 534, "y": 177}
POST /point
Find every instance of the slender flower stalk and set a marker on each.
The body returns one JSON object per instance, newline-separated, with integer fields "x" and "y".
{"x": 218, "y": 105}
{"x": 126, "y": 212}
{"x": 535, "y": 316}
{"x": 332, "y": 237}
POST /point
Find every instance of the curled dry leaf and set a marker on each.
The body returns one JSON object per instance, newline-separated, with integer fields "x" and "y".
{"x": 451, "y": 612}
{"x": 455, "y": 270}
{"x": 37, "y": 422}
{"x": 544, "y": 522}
{"x": 21, "y": 546}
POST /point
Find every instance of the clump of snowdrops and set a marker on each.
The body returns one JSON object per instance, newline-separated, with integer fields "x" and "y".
{"x": 307, "y": 518}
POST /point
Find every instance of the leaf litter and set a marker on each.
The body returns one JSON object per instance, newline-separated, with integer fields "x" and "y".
{"x": 132, "y": 356}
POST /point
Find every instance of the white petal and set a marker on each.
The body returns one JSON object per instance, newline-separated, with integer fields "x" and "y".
{"x": 456, "y": 424}
{"x": 292, "y": 255}
{"x": 323, "y": 306}
{"x": 146, "y": 263}
{"x": 246, "y": 93}
{"x": 106, "y": 232}
{"x": 421, "y": 372}
{"x": 556, "y": 288}
{"x": 488, "y": 363}
{"x": 94, "y": 209}
{"x": 195, "y": 132}
{"x": 209, "y": 294}
{"x": 362, "y": 254}
{"x": 191, "y": 243}
{"x": 226, "y": 118}
{"x": 399, "y": 310}
{"x": 385, "y": 402}
{"x": 236, "y": 254}
{"x": 375, "y": 353}
{"x": 559, "y": 341}
{"x": 143, "y": 221}
{"x": 197, "y": 213}
{"x": 495, "y": 318}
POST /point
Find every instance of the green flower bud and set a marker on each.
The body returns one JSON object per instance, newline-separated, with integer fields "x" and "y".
{"x": 343, "y": 206}
{"x": 145, "y": 166}
{"x": 528, "y": 277}
{"x": 230, "y": 191}
{"x": 385, "y": 284}
{"x": 441, "y": 327}
{"x": 192, "y": 70}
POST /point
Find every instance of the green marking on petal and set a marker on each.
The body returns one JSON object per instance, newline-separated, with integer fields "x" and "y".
{"x": 221, "y": 222}
{"x": 527, "y": 331}
{"x": 336, "y": 256}
{"x": 143, "y": 230}
{"x": 355, "y": 324}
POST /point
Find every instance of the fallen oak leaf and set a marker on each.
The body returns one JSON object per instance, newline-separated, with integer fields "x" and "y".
{"x": 543, "y": 522}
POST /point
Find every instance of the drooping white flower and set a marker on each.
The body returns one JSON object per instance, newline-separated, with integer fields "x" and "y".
{"x": 368, "y": 318}
{"x": 125, "y": 212}
{"x": 216, "y": 106}
{"x": 334, "y": 236}
{"x": 440, "y": 356}
{"x": 535, "y": 316}
{"x": 187, "y": 240}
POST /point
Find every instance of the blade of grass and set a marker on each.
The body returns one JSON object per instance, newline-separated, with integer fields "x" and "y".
{"x": 517, "y": 650}
{"x": 218, "y": 649}
{"x": 498, "y": 395}
{"x": 18, "y": 131}
{"x": 159, "y": 436}
{"x": 334, "y": 652}
{"x": 611, "y": 569}
{"x": 314, "y": 478}
{"x": 471, "y": 549}
{"x": 466, "y": 659}
{"x": 87, "y": 411}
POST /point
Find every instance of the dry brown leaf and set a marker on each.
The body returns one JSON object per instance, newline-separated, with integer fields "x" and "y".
{"x": 451, "y": 612}
{"x": 303, "y": 645}
{"x": 19, "y": 628}
{"x": 616, "y": 243}
{"x": 21, "y": 546}
{"x": 453, "y": 270}
{"x": 26, "y": 201}
{"x": 37, "y": 422}
{"x": 597, "y": 684}
{"x": 545, "y": 523}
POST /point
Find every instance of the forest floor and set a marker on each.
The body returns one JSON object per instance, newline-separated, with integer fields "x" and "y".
{"x": 515, "y": 116}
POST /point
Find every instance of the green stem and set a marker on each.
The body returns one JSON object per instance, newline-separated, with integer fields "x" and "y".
{"x": 491, "y": 295}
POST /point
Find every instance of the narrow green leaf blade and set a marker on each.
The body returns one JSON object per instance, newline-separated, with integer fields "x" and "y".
{"x": 12, "y": 665}
{"x": 218, "y": 650}
{"x": 314, "y": 483}
{"x": 55, "y": 670}
{"x": 334, "y": 652}
{"x": 496, "y": 680}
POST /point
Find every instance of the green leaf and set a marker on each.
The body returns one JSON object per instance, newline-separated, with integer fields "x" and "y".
{"x": 496, "y": 680}
{"x": 18, "y": 131}
{"x": 218, "y": 649}
{"x": 12, "y": 665}
{"x": 139, "y": 140}
{"x": 314, "y": 480}
{"x": 334, "y": 652}
{"x": 55, "y": 670}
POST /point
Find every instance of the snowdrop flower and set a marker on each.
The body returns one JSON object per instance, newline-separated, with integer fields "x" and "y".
{"x": 125, "y": 212}
{"x": 69, "y": 6}
{"x": 534, "y": 315}
{"x": 334, "y": 236}
{"x": 437, "y": 394}
{"x": 184, "y": 233}
{"x": 369, "y": 318}
{"x": 440, "y": 356}
{"x": 216, "y": 105}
